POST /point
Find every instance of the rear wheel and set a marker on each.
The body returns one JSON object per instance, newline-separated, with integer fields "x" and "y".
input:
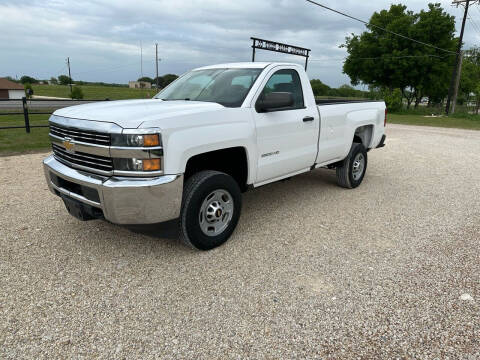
{"x": 211, "y": 208}
{"x": 352, "y": 171}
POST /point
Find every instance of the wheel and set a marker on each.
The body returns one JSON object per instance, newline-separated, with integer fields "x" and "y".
{"x": 211, "y": 207}
{"x": 350, "y": 174}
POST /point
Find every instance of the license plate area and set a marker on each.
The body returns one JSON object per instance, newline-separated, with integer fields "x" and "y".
{"x": 80, "y": 210}
{"x": 85, "y": 191}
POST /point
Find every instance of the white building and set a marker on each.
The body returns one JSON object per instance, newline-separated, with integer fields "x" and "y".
{"x": 139, "y": 85}
{"x": 11, "y": 90}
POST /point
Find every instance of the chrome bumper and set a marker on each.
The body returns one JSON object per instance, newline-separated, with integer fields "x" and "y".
{"x": 122, "y": 200}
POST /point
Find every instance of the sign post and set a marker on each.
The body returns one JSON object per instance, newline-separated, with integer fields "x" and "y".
{"x": 279, "y": 47}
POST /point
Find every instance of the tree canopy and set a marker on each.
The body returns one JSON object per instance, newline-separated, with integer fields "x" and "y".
{"x": 165, "y": 80}
{"x": 321, "y": 89}
{"x": 146, "y": 79}
{"x": 64, "y": 80}
{"x": 470, "y": 78}
{"x": 28, "y": 80}
{"x": 385, "y": 60}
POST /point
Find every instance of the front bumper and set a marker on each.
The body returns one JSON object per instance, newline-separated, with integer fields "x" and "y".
{"x": 122, "y": 200}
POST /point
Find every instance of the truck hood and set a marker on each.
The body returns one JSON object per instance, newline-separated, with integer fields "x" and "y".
{"x": 132, "y": 113}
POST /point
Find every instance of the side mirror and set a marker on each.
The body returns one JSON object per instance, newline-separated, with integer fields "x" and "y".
{"x": 274, "y": 101}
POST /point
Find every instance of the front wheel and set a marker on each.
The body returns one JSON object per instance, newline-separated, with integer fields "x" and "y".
{"x": 211, "y": 207}
{"x": 352, "y": 171}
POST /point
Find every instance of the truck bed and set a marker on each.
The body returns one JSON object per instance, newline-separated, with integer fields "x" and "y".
{"x": 341, "y": 101}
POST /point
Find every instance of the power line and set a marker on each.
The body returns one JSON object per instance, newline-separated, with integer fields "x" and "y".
{"x": 385, "y": 57}
{"x": 379, "y": 27}
{"x": 474, "y": 24}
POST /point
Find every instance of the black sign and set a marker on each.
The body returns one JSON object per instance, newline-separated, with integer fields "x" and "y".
{"x": 279, "y": 47}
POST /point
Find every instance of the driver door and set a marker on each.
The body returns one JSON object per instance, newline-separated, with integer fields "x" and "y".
{"x": 286, "y": 138}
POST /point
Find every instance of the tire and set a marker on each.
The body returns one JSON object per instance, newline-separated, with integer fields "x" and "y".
{"x": 349, "y": 174}
{"x": 206, "y": 220}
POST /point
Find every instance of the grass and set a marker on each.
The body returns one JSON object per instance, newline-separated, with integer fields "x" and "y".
{"x": 460, "y": 121}
{"x": 16, "y": 141}
{"x": 95, "y": 92}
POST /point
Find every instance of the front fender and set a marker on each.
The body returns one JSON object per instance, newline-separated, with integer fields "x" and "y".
{"x": 183, "y": 144}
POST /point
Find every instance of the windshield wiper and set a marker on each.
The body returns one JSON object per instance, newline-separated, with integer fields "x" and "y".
{"x": 186, "y": 99}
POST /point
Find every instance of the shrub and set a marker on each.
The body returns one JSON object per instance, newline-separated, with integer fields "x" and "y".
{"x": 28, "y": 90}
{"x": 76, "y": 93}
{"x": 393, "y": 99}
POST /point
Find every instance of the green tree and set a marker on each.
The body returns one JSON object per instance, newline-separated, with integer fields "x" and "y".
{"x": 28, "y": 80}
{"x": 146, "y": 79}
{"x": 76, "y": 93}
{"x": 347, "y": 91}
{"x": 432, "y": 73}
{"x": 165, "y": 80}
{"x": 319, "y": 88}
{"x": 53, "y": 80}
{"x": 384, "y": 60}
{"x": 470, "y": 77}
{"x": 64, "y": 80}
{"x": 169, "y": 78}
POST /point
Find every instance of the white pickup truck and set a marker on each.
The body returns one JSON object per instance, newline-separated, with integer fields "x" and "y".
{"x": 191, "y": 151}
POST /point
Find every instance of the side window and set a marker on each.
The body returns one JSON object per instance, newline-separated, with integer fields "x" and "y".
{"x": 286, "y": 80}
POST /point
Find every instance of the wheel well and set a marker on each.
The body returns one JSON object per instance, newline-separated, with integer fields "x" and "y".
{"x": 363, "y": 135}
{"x": 232, "y": 161}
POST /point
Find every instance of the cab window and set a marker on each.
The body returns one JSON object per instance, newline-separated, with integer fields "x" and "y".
{"x": 286, "y": 80}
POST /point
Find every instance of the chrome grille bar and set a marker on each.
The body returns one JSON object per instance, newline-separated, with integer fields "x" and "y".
{"x": 83, "y": 136}
{"x": 100, "y": 164}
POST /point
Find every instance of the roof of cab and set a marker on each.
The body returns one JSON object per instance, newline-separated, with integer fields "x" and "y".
{"x": 243, "y": 65}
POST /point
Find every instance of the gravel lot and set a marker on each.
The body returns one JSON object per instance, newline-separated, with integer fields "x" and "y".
{"x": 389, "y": 270}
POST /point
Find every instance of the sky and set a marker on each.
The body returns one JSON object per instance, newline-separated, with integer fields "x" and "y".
{"x": 103, "y": 38}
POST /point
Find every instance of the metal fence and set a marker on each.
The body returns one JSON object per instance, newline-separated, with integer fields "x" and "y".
{"x": 27, "y": 107}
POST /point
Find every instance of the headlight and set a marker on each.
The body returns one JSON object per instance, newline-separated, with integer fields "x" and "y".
{"x": 136, "y": 140}
{"x": 137, "y": 164}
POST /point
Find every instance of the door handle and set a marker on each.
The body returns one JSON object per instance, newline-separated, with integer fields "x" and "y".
{"x": 308, "y": 118}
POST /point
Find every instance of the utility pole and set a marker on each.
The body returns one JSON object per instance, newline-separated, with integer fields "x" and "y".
{"x": 69, "y": 74}
{"x": 453, "y": 88}
{"x": 156, "y": 62}
{"x": 457, "y": 83}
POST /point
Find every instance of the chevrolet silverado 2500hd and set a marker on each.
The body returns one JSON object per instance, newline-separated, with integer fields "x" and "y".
{"x": 189, "y": 152}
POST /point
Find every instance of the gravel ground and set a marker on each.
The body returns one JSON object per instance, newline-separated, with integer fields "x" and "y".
{"x": 389, "y": 270}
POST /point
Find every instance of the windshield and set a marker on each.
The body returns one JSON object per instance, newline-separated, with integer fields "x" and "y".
{"x": 227, "y": 87}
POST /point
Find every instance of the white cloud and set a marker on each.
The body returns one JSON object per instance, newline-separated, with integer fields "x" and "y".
{"x": 103, "y": 38}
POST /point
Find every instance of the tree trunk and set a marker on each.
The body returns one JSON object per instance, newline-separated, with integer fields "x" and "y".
{"x": 409, "y": 102}
{"x": 417, "y": 101}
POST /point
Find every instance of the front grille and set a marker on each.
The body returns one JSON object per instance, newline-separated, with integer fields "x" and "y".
{"x": 77, "y": 159}
{"x": 86, "y": 136}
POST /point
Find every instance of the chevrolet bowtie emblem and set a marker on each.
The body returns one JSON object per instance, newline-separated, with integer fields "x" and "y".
{"x": 68, "y": 145}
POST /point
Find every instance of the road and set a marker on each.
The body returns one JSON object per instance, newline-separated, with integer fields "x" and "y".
{"x": 388, "y": 270}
